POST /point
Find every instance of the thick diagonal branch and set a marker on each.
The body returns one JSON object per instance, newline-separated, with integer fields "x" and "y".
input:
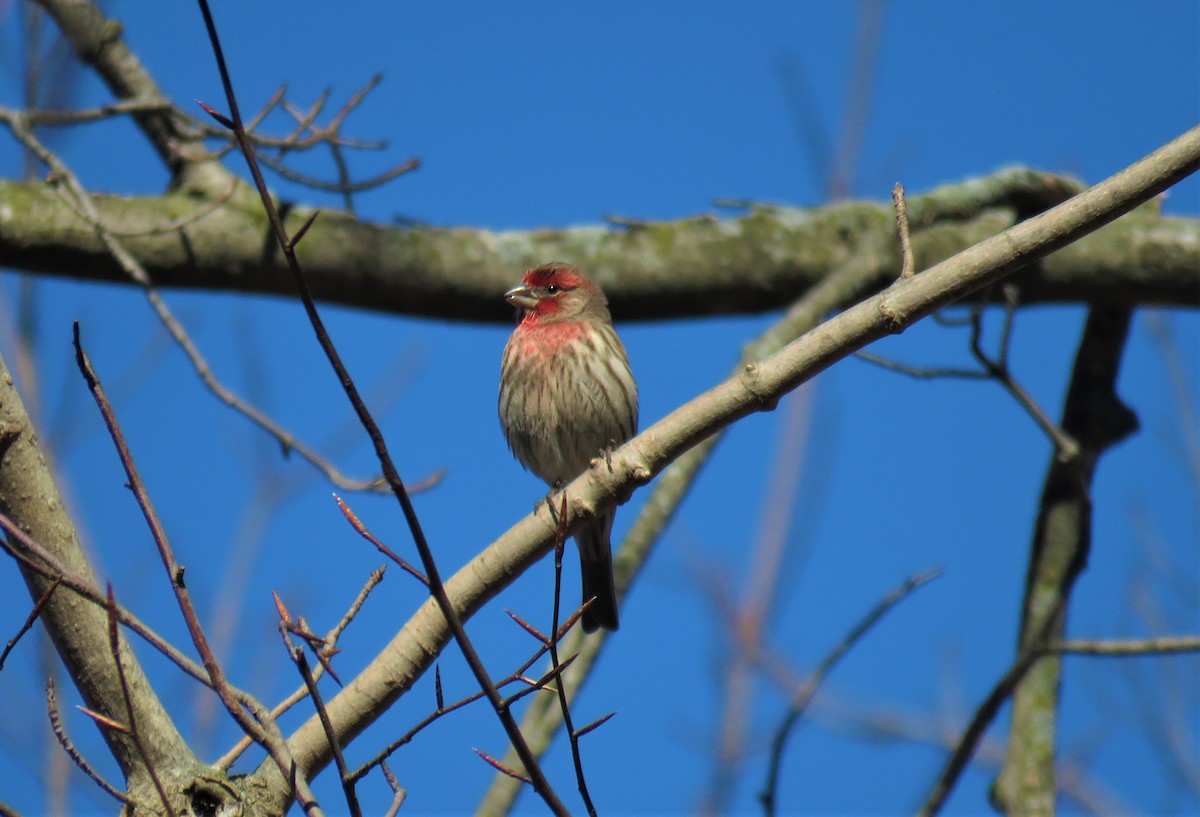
{"x": 756, "y": 388}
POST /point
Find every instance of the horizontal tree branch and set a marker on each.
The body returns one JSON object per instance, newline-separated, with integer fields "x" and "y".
{"x": 753, "y": 262}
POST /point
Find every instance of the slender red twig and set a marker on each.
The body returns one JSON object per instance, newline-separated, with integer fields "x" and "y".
{"x": 114, "y": 646}
{"x": 32, "y": 617}
{"x": 298, "y": 658}
{"x": 329, "y": 642}
{"x": 500, "y": 767}
{"x": 560, "y": 539}
{"x": 68, "y": 746}
{"x": 362, "y": 531}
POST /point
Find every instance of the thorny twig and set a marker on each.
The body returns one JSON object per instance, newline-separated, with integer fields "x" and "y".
{"x": 442, "y": 708}
{"x": 310, "y": 683}
{"x": 362, "y": 531}
{"x": 30, "y": 619}
{"x": 330, "y": 642}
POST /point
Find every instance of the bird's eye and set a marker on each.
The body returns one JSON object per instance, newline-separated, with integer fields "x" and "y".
{"x": 553, "y": 289}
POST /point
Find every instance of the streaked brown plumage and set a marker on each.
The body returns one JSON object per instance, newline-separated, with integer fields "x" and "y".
{"x": 566, "y": 395}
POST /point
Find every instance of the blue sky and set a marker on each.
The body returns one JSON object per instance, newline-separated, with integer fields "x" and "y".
{"x": 556, "y": 114}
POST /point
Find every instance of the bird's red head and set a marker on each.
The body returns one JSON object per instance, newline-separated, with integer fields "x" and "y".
{"x": 558, "y": 291}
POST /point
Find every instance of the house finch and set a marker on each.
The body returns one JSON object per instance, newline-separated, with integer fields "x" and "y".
{"x": 567, "y": 396}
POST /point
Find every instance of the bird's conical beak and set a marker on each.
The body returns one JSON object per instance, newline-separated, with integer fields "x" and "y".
{"x": 521, "y": 298}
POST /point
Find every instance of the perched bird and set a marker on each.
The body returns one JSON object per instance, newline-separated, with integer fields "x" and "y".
{"x": 566, "y": 397}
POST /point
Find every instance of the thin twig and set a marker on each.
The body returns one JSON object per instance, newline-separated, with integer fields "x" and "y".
{"x": 64, "y": 740}
{"x": 114, "y": 646}
{"x": 51, "y": 118}
{"x": 990, "y": 369}
{"x": 1162, "y": 645}
{"x": 297, "y": 655}
{"x": 1067, "y": 448}
{"x": 362, "y": 531}
{"x": 398, "y": 791}
{"x": 391, "y": 475}
{"x": 803, "y": 696}
{"x": 986, "y": 712}
{"x": 30, "y": 619}
{"x": 919, "y": 372}
{"x": 343, "y": 186}
{"x": 564, "y": 706}
{"x": 331, "y": 638}
{"x": 500, "y": 767}
{"x": 441, "y": 708}
{"x": 908, "y": 264}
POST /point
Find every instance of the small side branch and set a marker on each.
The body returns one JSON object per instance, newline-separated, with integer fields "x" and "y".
{"x": 114, "y": 646}
{"x": 557, "y": 667}
{"x": 804, "y": 695}
{"x": 1122, "y": 648}
{"x": 908, "y": 263}
{"x": 68, "y": 746}
{"x": 30, "y": 619}
{"x": 296, "y": 653}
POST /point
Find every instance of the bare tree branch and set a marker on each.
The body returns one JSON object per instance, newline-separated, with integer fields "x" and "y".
{"x": 1095, "y": 419}
{"x": 98, "y": 43}
{"x": 802, "y": 696}
{"x": 1115, "y": 648}
{"x": 747, "y": 263}
{"x": 756, "y": 388}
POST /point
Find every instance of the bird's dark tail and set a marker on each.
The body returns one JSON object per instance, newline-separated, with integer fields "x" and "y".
{"x": 595, "y": 564}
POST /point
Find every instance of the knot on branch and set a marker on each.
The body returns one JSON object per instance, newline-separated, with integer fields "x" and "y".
{"x": 751, "y": 378}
